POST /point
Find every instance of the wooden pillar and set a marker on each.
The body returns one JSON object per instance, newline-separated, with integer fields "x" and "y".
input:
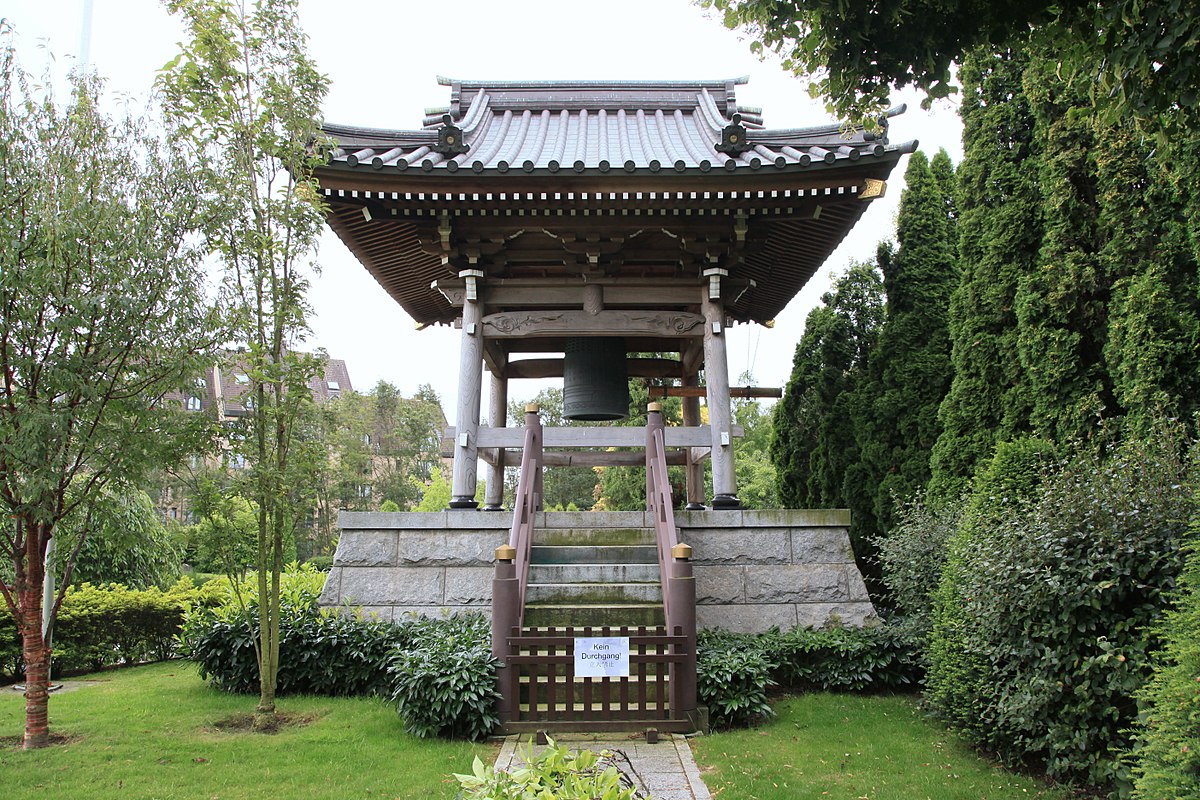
{"x": 720, "y": 414}
{"x": 694, "y": 467}
{"x": 498, "y": 418}
{"x": 470, "y": 388}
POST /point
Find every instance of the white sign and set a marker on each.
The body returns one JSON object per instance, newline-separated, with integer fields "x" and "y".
{"x": 602, "y": 657}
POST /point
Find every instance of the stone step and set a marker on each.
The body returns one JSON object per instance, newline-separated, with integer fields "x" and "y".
{"x": 593, "y": 554}
{"x": 592, "y": 594}
{"x": 629, "y": 614}
{"x": 593, "y": 573}
{"x": 593, "y": 536}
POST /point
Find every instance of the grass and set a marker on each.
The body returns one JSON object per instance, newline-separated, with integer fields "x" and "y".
{"x": 160, "y": 733}
{"x": 152, "y": 733}
{"x": 854, "y": 747}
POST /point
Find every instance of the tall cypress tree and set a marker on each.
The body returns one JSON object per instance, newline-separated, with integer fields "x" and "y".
{"x": 813, "y": 443}
{"x": 1062, "y": 302}
{"x": 897, "y": 425}
{"x": 999, "y": 237}
{"x": 1152, "y": 351}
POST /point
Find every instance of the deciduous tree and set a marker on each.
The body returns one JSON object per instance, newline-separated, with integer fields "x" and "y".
{"x": 249, "y": 97}
{"x": 102, "y": 316}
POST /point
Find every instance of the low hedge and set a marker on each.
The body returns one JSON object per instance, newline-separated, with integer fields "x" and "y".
{"x": 109, "y": 624}
{"x": 735, "y": 671}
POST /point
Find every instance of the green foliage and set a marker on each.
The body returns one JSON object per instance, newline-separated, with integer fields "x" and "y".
{"x": 956, "y": 680}
{"x": 912, "y": 557}
{"x": 733, "y": 673}
{"x": 1167, "y": 760}
{"x": 844, "y": 659}
{"x": 109, "y": 624}
{"x": 813, "y": 442}
{"x": 389, "y": 507}
{"x": 105, "y": 314}
{"x": 224, "y": 537}
{"x": 558, "y": 772}
{"x": 757, "y": 486}
{"x": 1057, "y": 603}
{"x": 999, "y": 228}
{"x": 437, "y": 494}
{"x": 443, "y": 680}
{"x": 1138, "y": 57}
{"x": 332, "y": 652}
{"x": 120, "y": 539}
{"x": 247, "y": 98}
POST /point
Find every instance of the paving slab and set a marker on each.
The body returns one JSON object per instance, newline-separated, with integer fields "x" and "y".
{"x": 665, "y": 769}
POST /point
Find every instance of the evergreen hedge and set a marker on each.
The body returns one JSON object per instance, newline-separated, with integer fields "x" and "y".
{"x": 1167, "y": 762}
{"x": 109, "y": 624}
{"x": 1046, "y": 615}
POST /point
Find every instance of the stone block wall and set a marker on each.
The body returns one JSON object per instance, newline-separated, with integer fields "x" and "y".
{"x": 754, "y": 569}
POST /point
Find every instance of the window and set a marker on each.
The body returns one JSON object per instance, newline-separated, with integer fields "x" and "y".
{"x": 242, "y": 379}
{"x": 334, "y": 386}
{"x": 193, "y": 403}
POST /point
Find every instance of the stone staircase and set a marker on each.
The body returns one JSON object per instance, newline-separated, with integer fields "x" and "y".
{"x": 596, "y": 577}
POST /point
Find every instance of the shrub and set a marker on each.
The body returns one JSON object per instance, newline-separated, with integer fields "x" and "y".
{"x": 443, "y": 678}
{"x": 107, "y": 624}
{"x": 321, "y": 651}
{"x": 1058, "y": 602}
{"x": 557, "y": 772}
{"x": 912, "y": 556}
{"x": 1167, "y": 762}
{"x": 846, "y": 659}
{"x": 956, "y": 678}
{"x": 733, "y": 673}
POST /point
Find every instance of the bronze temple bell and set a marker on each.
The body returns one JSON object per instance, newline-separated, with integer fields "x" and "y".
{"x": 595, "y": 379}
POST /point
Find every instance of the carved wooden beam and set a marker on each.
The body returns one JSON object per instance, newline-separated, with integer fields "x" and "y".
{"x": 580, "y": 323}
{"x": 700, "y": 391}
{"x": 607, "y": 436}
{"x": 553, "y": 368}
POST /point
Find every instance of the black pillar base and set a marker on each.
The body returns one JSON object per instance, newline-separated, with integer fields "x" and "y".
{"x": 725, "y": 502}
{"x": 464, "y": 502}
{"x": 695, "y": 507}
{"x": 493, "y": 508}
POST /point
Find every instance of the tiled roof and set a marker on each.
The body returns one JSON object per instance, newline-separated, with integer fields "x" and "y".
{"x": 598, "y": 128}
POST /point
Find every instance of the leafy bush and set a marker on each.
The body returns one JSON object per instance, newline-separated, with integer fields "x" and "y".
{"x": 321, "y": 651}
{"x": 848, "y": 659}
{"x": 733, "y": 673}
{"x": 956, "y": 678}
{"x": 1058, "y": 601}
{"x": 557, "y": 772}
{"x": 443, "y": 677}
{"x": 912, "y": 557}
{"x": 1167, "y": 762}
{"x": 103, "y": 625}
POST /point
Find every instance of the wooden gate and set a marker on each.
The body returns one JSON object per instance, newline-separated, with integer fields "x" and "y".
{"x": 539, "y": 673}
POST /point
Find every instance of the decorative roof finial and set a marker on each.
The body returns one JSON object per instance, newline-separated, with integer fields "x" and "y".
{"x": 450, "y": 138}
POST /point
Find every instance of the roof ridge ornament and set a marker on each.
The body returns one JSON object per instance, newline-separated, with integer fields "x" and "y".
{"x": 734, "y": 137}
{"x": 450, "y": 138}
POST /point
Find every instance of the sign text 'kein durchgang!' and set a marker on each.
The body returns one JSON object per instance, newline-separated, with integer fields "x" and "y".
{"x": 602, "y": 657}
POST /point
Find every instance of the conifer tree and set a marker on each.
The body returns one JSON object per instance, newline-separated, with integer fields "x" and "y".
{"x": 897, "y": 425}
{"x": 814, "y": 444}
{"x": 999, "y": 235}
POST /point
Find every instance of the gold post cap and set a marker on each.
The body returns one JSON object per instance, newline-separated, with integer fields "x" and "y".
{"x": 532, "y": 408}
{"x": 506, "y": 552}
{"x": 653, "y": 407}
{"x": 681, "y": 551}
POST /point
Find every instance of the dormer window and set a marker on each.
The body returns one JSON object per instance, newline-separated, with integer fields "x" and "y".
{"x": 334, "y": 386}
{"x": 242, "y": 379}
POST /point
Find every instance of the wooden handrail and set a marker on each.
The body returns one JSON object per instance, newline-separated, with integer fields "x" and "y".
{"x": 659, "y": 505}
{"x": 527, "y": 503}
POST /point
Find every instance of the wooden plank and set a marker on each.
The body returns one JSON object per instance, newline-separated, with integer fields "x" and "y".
{"x": 701, "y": 391}
{"x": 580, "y": 323}
{"x": 607, "y": 436}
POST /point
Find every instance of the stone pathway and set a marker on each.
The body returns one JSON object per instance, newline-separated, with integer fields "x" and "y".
{"x": 666, "y": 769}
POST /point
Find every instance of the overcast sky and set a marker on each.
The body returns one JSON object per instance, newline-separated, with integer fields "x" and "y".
{"x": 383, "y": 57}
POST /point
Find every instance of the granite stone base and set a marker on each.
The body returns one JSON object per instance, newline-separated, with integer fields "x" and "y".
{"x": 754, "y": 569}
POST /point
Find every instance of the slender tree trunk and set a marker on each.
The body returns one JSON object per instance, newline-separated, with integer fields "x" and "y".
{"x": 33, "y": 645}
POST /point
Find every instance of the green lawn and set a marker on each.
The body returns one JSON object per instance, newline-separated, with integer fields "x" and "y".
{"x": 151, "y": 732}
{"x": 853, "y": 747}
